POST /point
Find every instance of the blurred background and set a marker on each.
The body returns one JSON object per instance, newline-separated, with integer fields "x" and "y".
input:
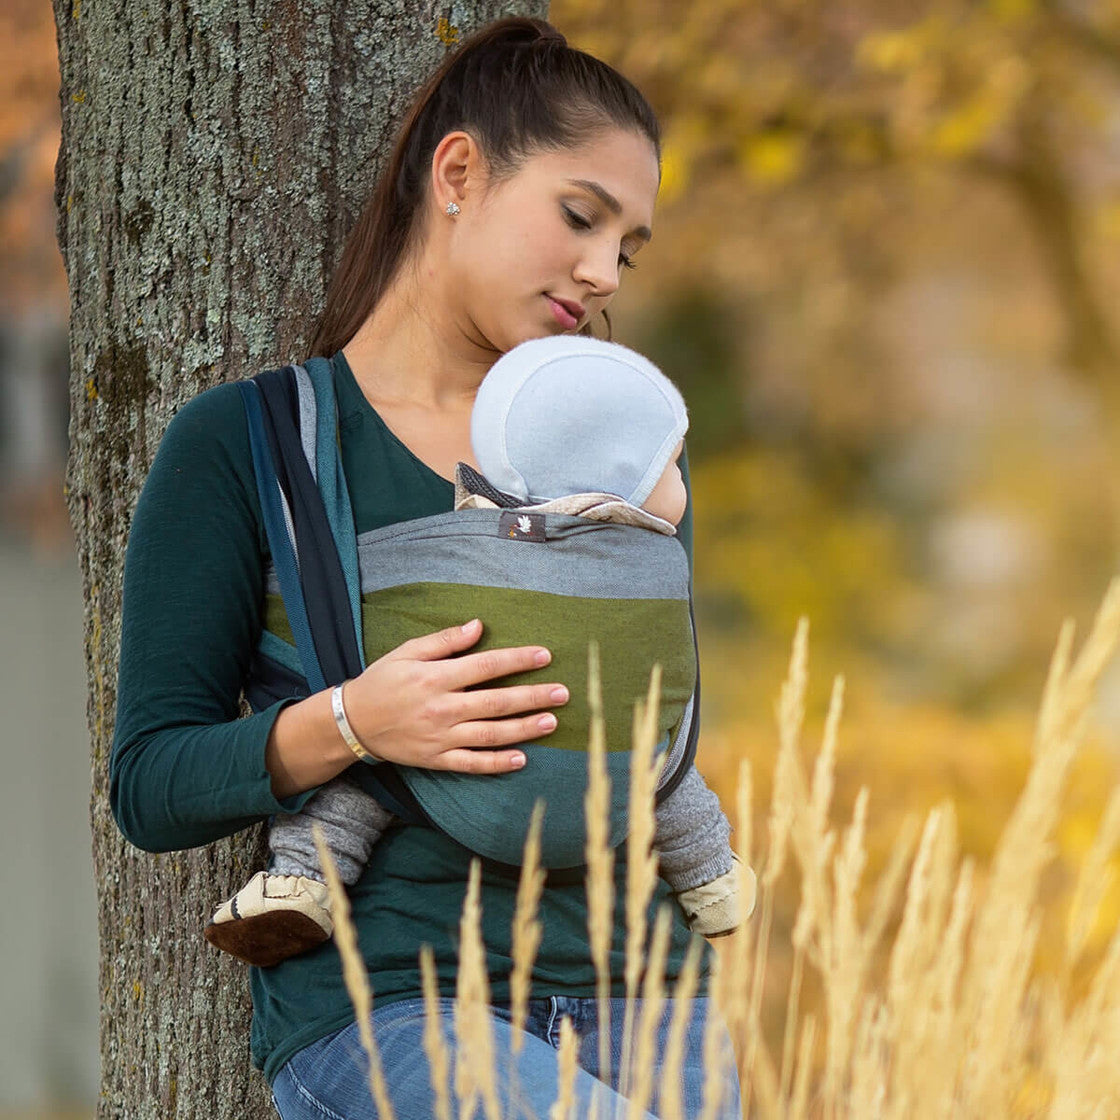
{"x": 885, "y": 273}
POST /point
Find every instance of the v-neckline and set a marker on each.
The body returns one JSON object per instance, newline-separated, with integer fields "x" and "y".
{"x": 343, "y": 365}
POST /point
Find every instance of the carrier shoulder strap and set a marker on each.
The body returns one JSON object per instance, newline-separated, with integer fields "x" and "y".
{"x": 293, "y": 437}
{"x": 308, "y": 538}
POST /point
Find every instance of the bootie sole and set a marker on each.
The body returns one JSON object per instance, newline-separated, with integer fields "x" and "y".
{"x": 265, "y": 940}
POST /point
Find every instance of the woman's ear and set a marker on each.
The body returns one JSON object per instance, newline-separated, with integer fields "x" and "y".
{"x": 456, "y": 169}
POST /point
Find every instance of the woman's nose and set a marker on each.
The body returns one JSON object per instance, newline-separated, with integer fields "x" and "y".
{"x": 599, "y": 268}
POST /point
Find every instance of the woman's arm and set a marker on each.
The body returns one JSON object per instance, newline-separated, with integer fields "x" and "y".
{"x": 185, "y": 771}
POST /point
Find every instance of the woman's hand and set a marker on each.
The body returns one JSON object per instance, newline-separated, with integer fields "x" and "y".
{"x": 410, "y": 707}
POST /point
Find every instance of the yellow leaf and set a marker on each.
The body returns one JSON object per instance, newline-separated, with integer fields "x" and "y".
{"x": 892, "y": 51}
{"x": 772, "y": 157}
{"x": 674, "y": 173}
{"x": 964, "y": 130}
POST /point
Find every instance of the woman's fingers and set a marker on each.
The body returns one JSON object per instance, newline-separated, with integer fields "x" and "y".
{"x": 490, "y": 733}
{"x": 491, "y": 664}
{"x": 477, "y": 755}
{"x": 463, "y": 760}
{"x": 493, "y": 703}
{"x": 473, "y": 668}
{"x": 440, "y": 644}
{"x": 415, "y": 705}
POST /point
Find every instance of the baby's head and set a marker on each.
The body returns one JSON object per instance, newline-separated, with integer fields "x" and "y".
{"x": 571, "y": 415}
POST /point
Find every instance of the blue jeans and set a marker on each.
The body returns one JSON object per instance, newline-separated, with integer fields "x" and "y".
{"x": 328, "y": 1080}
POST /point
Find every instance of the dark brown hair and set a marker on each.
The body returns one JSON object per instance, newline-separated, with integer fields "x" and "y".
{"x": 518, "y": 89}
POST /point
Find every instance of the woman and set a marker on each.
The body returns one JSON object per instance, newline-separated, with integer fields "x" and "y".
{"x": 521, "y": 184}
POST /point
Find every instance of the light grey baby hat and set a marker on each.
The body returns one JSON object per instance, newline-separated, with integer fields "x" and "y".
{"x": 569, "y": 414}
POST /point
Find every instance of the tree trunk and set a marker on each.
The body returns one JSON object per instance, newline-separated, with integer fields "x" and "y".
{"x": 214, "y": 153}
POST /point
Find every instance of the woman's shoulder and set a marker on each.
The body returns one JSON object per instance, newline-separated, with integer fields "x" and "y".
{"x": 204, "y": 455}
{"x": 214, "y": 415}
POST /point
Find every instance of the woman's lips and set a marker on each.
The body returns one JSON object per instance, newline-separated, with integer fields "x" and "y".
{"x": 561, "y": 314}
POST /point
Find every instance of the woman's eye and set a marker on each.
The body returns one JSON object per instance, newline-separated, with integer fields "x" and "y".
{"x": 577, "y": 221}
{"x": 625, "y": 261}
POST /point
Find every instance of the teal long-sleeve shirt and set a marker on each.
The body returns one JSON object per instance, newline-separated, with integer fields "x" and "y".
{"x": 185, "y": 771}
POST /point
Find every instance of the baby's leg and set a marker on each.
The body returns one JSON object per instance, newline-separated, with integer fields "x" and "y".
{"x": 692, "y": 842}
{"x": 286, "y": 910}
{"x": 351, "y": 821}
{"x": 692, "y": 835}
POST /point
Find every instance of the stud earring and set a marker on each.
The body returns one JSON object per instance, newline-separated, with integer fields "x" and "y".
{"x": 451, "y": 209}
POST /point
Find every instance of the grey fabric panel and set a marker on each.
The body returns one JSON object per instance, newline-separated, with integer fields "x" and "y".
{"x": 584, "y": 558}
{"x": 307, "y": 419}
{"x": 680, "y": 745}
{"x": 288, "y": 523}
{"x": 692, "y": 836}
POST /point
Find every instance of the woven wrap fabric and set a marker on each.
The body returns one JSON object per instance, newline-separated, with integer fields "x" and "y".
{"x": 553, "y": 579}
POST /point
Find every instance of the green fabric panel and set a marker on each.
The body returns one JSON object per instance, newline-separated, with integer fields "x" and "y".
{"x": 276, "y": 619}
{"x": 633, "y": 634}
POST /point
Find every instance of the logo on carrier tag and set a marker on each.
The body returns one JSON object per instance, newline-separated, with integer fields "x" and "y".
{"x": 521, "y": 526}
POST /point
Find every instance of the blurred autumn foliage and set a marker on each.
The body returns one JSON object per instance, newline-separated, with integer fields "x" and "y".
{"x": 885, "y": 272}
{"x": 33, "y": 304}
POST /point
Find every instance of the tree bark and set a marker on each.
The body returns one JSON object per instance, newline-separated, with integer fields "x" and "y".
{"x": 214, "y": 153}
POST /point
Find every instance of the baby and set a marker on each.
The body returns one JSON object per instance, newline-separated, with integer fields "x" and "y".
{"x": 567, "y": 426}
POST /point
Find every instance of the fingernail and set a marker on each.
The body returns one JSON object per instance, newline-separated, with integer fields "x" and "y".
{"x": 468, "y": 626}
{"x": 547, "y": 722}
{"x": 517, "y": 761}
{"x": 559, "y": 695}
{"x": 542, "y": 657}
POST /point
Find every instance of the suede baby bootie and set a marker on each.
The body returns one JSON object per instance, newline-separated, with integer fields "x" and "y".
{"x": 272, "y": 918}
{"x": 718, "y": 908}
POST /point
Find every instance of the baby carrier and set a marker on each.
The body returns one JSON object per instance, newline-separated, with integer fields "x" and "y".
{"x": 337, "y": 602}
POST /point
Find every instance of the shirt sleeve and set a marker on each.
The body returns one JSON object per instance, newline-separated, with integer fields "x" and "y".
{"x": 185, "y": 770}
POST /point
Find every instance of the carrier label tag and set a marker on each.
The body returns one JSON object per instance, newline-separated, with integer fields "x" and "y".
{"x": 516, "y": 526}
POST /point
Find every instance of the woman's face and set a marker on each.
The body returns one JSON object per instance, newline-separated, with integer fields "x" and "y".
{"x": 542, "y": 252}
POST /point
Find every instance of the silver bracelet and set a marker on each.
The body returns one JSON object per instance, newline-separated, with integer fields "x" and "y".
{"x": 346, "y": 730}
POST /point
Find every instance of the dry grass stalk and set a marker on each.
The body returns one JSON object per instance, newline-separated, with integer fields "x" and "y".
{"x": 567, "y": 1059}
{"x": 733, "y": 994}
{"x": 793, "y": 999}
{"x": 653, "y": 1004}
{"x": 474, "y": 1065}
{"x": 1081, "y": 1060}
{"x": 641, "y": 857}
{"x": 1006, "y": 922}
{"x": 954, "y": 1026}
{"x": 435, "y": 1045}
{"x": 1093, "y": 883}
{"x": 799, "y": 1101}
{"x": 354, "y": 974}
{"x": 791, "y": 714}
{"x": 669, "y": 1091}
{"x": 870, "y": 1063}
{"x": 526, "y": 926}
{"x": 717, "y": 1062}
{"x": 787, "y": 768}
{"x": 600, "y": 857}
